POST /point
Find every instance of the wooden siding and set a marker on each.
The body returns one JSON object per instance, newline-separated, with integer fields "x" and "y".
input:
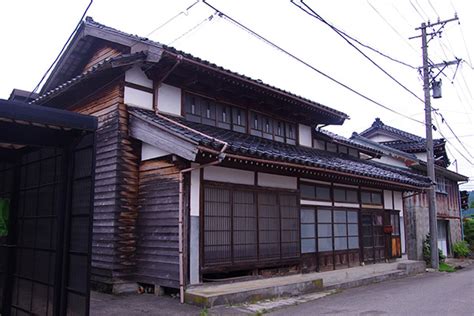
{"x": 102, "y": 53}
{"x": 157, "y": 250}
{"x": 116, "y": 188}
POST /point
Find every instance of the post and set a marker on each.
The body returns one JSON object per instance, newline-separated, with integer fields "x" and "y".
{"x": 429, "y": 152}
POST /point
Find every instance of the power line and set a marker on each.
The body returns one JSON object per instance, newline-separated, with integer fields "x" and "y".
{"x": 455, "y": 148}
{"x": 185, "y": 11}
{"x": 443, "y": 120}
{"x": 279, "y": 48}
{"x": 432, "y": 7}
{"x": 421, "y": 16}
{"x": 343, "y": 35}
{"x": 62, "y": 50}
{"x": 362, "y": 44}
{"x": 208, "y": 19}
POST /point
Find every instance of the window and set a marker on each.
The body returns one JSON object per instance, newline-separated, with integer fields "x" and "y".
{"x": 308, "y": 230}
{"x": 207, "y": 111}
{"x": 353, "y": 152}
{"x": 231, "y": 219}
{"x": 331, "y": 147}
{"x": 345, "y": 195}
{"x": 369, "y": 197}
{"x": 441, "y": 185}
{"x": 290, "y": 133}
{"x": 325, "y": 233}
{"x": 395, "y": 222}
{"x": 315, "y": 191}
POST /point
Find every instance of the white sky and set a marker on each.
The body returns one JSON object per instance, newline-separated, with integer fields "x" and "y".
{"x": 32, "y": 33}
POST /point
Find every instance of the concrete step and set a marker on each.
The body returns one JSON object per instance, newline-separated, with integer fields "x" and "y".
{"x": 210, "y": 295}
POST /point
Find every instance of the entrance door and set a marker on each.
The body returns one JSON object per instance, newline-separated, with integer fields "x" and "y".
{"x": 373, "y": 238}
{"x": 443, "y": 237}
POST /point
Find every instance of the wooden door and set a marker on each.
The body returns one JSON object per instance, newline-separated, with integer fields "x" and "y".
{"x": 373, "y": 238}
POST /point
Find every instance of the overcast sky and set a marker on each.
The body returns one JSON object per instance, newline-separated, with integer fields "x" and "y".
{"x": 33, "y": 32}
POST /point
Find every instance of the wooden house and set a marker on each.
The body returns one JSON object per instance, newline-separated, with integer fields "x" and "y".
{"x": 408, "y": 151}
{"x": 203, "y": 173}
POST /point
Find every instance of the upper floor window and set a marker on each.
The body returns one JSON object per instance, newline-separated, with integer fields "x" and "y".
{"x": 345, "y": 195}
{"x": 441, "y": 185}
{"x": 313, "y": 191}
{"x": 207, "y": 111}
{"x": 370, "y": 197}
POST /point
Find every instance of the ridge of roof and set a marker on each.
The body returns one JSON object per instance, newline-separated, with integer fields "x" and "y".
{"x": 384, "y": 147}
{"x": 89, "y": 21}
{"x": 379, "y": 125}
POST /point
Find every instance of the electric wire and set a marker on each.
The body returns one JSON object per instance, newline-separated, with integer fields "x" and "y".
{"x": 391, "y": 26}
{"x": 421, "y": 8}
{"x": 363, "y": 44}
{"x": 432, "y": 7}
{"x": 421, "y": 16}
{"x": 342, "y": 34}
{"x": 185, "y": 11}
{"x": 208, "y": 19}
{"x": 443, "y": 120}
{"x": 61, "y": 51}
{"x": 279, "y": 48}
{"x": 455, "y": 148}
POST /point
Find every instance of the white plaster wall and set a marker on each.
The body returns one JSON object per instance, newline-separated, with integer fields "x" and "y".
{"x": 229, "y": 175}
{"x": 392, "y": 162}
{"x": 381, "y": 138}
{"x": 315, "y": 181}
{"x": 195, "y": 190}
{"x": 387, "y": 199}
{"x": 304, "y": 135}
{"x": 397, "y": 201}
{"x": 277, "y": 181}
{"x": 311, "y": 202}
{"x": 340, "y": 204}
{"x": 168, "y": 99}
{"x": 422, "y": 156}
{"x": 137, "y": 76}
{"x": 150, "y": 152}
{"x": 138, "y": 98}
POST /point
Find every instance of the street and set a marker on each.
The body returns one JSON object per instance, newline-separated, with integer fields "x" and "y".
{"x": 427, "y": 294}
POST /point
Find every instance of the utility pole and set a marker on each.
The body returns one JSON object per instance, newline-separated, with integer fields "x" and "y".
{"x": 427, "y": 84}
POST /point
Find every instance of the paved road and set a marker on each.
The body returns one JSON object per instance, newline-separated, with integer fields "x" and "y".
{"x": 427, "y": 294}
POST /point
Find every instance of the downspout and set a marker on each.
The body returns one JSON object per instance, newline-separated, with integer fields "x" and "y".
{"x": 220, "y": 158}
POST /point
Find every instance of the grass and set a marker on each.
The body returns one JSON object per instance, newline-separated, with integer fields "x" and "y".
{"x": 444, "y": 267}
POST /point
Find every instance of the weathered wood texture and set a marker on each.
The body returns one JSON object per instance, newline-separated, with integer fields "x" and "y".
{"x": 157, "y": 250}
{"x": 103, "y": 52}
{"x": 115, "y": 203}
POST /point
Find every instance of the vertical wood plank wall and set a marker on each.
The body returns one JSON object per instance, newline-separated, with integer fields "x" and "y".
{"x": 116, "y": 189}
{"x": 157, "y": 252}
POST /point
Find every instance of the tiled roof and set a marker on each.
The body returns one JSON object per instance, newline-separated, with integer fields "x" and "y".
{"x": 346, "y": 141}
{"x": 378, "y": 125}
{"x": 382, "y": 147}
{"x": 90, "y": 22}
{"x": 105, "y": 64}
{"x": 412, "y": 146}
{"x": 252, "y": 146}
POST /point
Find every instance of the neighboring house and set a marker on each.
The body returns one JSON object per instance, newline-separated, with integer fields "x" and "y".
{"x": 203, "y": 173}
{"x": 408, "y": 151}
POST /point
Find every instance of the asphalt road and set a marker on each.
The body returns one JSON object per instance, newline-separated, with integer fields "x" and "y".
{"x": 428, "y": 294}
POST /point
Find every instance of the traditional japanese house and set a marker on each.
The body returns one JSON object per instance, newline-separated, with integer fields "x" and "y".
{"x": 203, "y": 173}
{"x": 408, "y": 151}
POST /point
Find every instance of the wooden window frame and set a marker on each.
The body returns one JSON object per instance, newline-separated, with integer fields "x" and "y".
{"x": 258, "y": 262}
{"x": 371, "y": 197}
{"x": 315, "y": 185}
{"x": 334, "y": 188}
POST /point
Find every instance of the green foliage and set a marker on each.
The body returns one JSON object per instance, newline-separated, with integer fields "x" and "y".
{"x": 427, "y": 251}
{"x": 471, "y": 205}
{"x": 461, "y": 249}
{"x": 204, "y": 312}
{"x": 469, "y": 231}
{"x": 444, "y": 267}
